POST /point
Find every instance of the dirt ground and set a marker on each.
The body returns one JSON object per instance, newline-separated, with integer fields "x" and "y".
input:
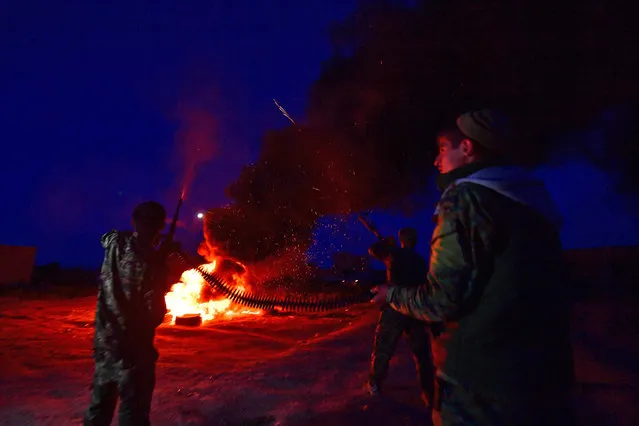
{"x": 276, "y": 370}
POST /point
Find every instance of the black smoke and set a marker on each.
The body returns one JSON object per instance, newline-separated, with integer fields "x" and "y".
{"x": 399, "y": 74}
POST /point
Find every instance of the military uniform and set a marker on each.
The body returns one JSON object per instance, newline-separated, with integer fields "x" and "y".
{"x": 404, "y": 268}
{"x": 130, "y": 306}
{"x": 496, "y": 279}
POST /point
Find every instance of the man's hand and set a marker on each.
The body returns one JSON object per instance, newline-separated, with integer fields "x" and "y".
{"x": 172, "y": 245}
{"x": 169, "y": 247}
{"x": 390, "y": 240}
{"x": 380, "y": 294}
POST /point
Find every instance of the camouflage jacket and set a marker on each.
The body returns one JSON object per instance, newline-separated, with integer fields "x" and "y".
{"x": 496, "y": 280}
{"x": 130, "y": 301}
{"x": 404, "y": 266}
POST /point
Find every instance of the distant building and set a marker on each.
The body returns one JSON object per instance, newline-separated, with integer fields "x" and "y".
{"x": 16, "y": 264}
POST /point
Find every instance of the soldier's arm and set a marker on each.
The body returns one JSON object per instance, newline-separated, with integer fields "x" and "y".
{"x": 460, "y": 259}
{"x": 381, "y": 250}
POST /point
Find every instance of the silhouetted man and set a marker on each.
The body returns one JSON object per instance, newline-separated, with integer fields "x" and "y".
{"x": 130, "y": 307}
{"x": 405, "y": 268}
{"x": 496, "y": 278}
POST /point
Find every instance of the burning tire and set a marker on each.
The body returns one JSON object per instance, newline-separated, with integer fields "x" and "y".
{"x": 189, "y": 320}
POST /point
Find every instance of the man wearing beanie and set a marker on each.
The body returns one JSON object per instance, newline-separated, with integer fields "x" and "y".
{"x": 496, "y": 280}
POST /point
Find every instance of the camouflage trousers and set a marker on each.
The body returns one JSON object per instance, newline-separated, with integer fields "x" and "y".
{"x": 457, "y": 405}
{"x": 133, "y": 385}
{"x": 390, "y": 327}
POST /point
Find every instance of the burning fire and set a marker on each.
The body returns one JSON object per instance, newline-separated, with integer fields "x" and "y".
{"x": 186, "y": 297}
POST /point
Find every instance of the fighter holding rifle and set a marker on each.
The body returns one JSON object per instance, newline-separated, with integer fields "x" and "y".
{"x": 130, "y": 307}
{"x": 404, "y": 268}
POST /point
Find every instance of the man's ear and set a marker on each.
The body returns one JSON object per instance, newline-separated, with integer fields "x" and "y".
{"x": 467, "y": 147}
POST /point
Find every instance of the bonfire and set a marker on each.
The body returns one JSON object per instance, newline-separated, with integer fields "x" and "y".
{"x": 190, "y": 297}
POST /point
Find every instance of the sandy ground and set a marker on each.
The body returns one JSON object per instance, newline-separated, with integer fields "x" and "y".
{"x": 275, "y": 370}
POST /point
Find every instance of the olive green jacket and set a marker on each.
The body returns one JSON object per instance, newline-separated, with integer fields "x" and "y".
{"x": 496, "y": 279}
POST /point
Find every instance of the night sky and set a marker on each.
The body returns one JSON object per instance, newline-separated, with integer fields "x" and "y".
{"x": 99, "y": 101}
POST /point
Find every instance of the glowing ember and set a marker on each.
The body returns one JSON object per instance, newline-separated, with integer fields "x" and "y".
{"x": 186, "y": 297}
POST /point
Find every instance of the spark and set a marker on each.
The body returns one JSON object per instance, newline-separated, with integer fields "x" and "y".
{"x": 283, "y": 111}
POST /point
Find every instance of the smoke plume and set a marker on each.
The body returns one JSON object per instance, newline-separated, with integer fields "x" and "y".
{"x": 400, "y": 74}
{"x": 195, "y": 141}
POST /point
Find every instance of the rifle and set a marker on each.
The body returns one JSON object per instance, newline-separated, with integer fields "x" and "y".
{"x": 370, "y": 226}
{"x": 168, "y": 244}
{"x": 169, "y": 249}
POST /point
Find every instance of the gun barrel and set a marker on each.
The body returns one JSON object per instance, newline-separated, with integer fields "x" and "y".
{"x": 175, "y": 217}
{"x": 369, "y": 225}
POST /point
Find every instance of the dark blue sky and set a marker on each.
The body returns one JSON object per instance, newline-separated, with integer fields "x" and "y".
{"x": 90, "y": 100}
{"x": 93, "y": 95}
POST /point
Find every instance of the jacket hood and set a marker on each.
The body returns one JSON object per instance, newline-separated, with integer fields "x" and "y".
{"x": 518, "y": 185}
{"x": 108, "y": 238}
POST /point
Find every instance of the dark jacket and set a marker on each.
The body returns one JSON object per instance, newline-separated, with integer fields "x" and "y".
{"x": 130, "y": 300}
{"x": 496, "y": 278}
{"x": 404, "y": 266}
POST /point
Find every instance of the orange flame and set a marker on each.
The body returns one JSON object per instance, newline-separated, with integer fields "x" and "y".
{"x": 186, "y": 297}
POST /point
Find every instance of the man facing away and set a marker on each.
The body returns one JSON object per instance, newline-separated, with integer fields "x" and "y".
{"x": 496, "y": 279}
{"x": 130, "y": 307}
{"x": 405, "y": 268}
